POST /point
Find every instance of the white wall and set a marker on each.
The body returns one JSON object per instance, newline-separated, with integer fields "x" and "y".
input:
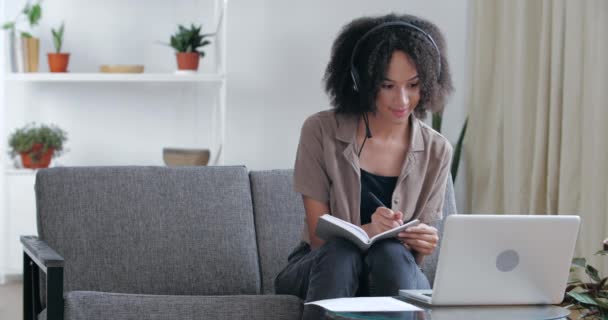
{"x": 3, "y": 215}
{"x": 277, "y": 52}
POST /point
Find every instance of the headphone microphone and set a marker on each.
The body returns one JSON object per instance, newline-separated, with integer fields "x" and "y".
{"x": 368, "y": 132}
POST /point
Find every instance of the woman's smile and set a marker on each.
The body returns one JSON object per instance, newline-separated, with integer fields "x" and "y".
{"x": 400, "y": 113}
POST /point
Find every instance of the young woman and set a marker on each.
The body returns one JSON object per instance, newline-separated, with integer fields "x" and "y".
{"x": 384, "y": 74}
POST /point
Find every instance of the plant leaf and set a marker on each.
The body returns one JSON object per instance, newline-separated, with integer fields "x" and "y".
{"x": 57, "y": 43}
{"x": 188, "y": 40}
{"x": 436, "y": 122}
{"x": 458, "y": 151}
{"x": 26, "y": 9}
{"x": 175, "y": 44}
{"x": 602, "y": 283}
{"x": 58, "y": 37}
{"x": 26, "y": 34}
{"x": 34, "y": 14}
{"x": 579, "y": 262}
{"x": 602, "y": 302}
{"x": 602, "y": 253}
{"x": 582, "y": 298}
{"x": 8, "y": 25}
{"x": 593, "y": 273}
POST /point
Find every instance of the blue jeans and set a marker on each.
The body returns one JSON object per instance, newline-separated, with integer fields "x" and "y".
{"x": 339, "y": 269}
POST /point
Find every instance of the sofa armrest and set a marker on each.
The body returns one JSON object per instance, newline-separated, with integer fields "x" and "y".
{"x": 41, "y": 253}
{"x": 38, "y": 255}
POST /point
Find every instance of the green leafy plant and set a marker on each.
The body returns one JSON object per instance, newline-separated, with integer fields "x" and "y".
{"x": 50, "y": 136}
{"x": 31, "y": 12}
{"x": 436, "y": 124}
{"x": 589, "y": 296}
{"x": 458, "y": 149}
{"x": 58, "y": 37}
{"x": 189, "y": 40}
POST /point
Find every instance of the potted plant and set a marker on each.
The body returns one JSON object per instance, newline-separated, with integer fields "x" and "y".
{"x": 187, "y": 44}
{"x": 58, "y": 61}
{"x": 24, "y": 59}
{"x": 589, "y": 297}
{"x": 37, "y": 144}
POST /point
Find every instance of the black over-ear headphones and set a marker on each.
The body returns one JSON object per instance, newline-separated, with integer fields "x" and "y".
{"x": 353, "y": 71}
{"x": 355, "y": 75}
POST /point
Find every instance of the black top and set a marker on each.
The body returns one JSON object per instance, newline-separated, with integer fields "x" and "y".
{"x": 381, "y": 186}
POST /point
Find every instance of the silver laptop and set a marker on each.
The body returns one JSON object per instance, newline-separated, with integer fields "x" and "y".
{"x": 502, "y": 259}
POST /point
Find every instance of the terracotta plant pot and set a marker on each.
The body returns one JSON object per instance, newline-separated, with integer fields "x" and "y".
{"x": 58, "y": 62}
{"x": 38, "y": 159}
{"x": 187, "y": 60}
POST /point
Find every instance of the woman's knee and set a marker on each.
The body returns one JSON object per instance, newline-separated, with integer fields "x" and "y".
{"x": 339, "y": 249}
{"x": 391, "y": 250}
{"x": 336, "y": 270}
{"x": 393, "y": 267}
{"x": 385, "y": 255}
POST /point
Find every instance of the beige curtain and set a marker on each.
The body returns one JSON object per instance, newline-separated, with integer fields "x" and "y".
{"x": 537, "y": 141}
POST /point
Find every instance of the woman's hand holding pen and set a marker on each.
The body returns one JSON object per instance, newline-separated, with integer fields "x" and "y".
{"x": 423, "y": 239}
{"x": 385, "y": 219}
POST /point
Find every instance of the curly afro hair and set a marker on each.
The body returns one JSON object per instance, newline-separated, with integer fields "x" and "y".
{"x": 373, "y": 58}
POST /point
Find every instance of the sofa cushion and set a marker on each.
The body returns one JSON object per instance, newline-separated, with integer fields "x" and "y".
{"x": 84, "y": 305}
{"x": 151, "y": 230}
{"x": 279, "y": 219}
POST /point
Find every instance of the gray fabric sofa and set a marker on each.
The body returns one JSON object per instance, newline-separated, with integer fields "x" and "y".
{"x": 164, "y": 243}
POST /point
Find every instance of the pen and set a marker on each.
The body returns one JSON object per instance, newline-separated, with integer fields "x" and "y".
{"x": 376, "y": 200}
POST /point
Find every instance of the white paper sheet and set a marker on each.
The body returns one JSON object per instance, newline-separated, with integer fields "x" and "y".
{"x": 365, "y": 304}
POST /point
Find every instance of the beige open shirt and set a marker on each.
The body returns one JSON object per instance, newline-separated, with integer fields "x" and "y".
{"x": 327, "y": 169}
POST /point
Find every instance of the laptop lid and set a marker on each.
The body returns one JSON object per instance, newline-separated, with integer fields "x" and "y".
{"x": 504, "y": 259}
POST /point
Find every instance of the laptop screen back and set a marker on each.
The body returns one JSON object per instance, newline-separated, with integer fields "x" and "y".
{"x": 505, "y": 259}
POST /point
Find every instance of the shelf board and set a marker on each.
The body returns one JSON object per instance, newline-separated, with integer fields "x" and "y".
{"x": 19, "y": 172}
{"x": 114, "y": 77}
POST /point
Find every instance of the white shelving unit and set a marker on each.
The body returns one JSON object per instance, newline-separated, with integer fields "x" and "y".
{"x": 114, "y": 77}
{"x": 20, "y": 172}
{"x": 193, "y": 97}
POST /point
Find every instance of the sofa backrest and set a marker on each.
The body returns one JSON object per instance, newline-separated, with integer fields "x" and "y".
{"x": 279, "y": 218}
{"x": 429, "y": 264}
{"x": 151, "y": 230}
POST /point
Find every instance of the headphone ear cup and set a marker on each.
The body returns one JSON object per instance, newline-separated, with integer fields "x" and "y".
{"x": 355, "y": 76}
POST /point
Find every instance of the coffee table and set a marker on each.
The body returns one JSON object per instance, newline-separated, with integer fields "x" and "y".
{"x": 460, "y": 312}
